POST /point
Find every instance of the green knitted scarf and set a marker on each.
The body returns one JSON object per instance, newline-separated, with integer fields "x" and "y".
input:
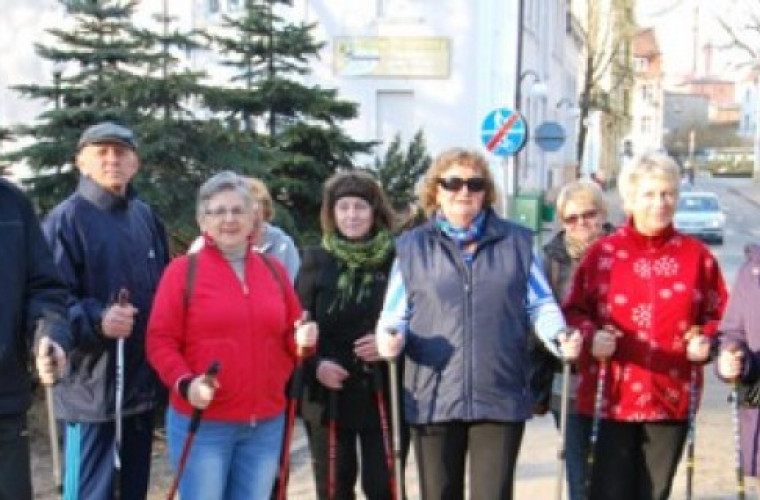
{"x": 357, "y": 260}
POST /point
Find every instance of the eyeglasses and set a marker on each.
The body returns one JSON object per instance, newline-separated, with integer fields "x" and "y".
{"x": 474, "y": 184}
{"x": 223, "y": 212}
{"x": 575, "y": 218}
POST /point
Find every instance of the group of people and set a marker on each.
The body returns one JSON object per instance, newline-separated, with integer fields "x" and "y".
{"x": 458, "y": 299}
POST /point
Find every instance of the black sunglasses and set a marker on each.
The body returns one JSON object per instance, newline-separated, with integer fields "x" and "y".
{"x": 474, "y": 184}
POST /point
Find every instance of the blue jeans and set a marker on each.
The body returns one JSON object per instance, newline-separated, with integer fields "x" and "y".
{"x": 576, "y": 453}
{"x": 227, "y": 461}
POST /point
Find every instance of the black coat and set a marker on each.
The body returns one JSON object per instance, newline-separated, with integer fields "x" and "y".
{"x": 339, "y": 328}
{"x": 31, "y": 291}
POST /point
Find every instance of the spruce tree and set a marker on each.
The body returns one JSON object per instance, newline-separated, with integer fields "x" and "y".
{"x": 399, "y": 170}
{"x": 119, "y": 72}
{"x": 297, "y": 125}
{"x": 96, "y": 53}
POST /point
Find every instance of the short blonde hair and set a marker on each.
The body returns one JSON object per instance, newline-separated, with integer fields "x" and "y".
{"x": 645, "y": 166}
{"x": 262, "y": 195}
{"x": 428, "y": 189}
{"x": 580, "y": 189}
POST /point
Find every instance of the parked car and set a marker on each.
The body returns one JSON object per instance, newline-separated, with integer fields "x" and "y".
{"x": 700, "y": 214}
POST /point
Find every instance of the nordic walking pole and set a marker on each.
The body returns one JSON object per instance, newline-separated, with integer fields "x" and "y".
{"x": 691, "y": 436}
{"x": 294, "y": 395}
{"x": 598, "y": 402}
{"x": 563, "y": 409}
{"x": 332, "y": 443}
{"x": 195, "y": 422}
{"x": 55, "y": 448}
{"x": 123, "y": 299}
{"x": 737, "y": 438}
{"x": 377, "y": 376}
{"x": 396, "y": 426}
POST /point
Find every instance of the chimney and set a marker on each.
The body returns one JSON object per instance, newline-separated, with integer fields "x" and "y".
{"x": 707, "y": 50}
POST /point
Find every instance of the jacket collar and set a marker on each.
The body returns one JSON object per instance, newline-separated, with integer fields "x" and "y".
{"x": 656, "y": 241}
{"x": 492, "y": 229}
{"x": 102, "y": 198}
{"x": 556, "y": 248}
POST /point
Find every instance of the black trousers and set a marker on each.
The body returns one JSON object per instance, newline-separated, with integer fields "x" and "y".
{"x": 635, "y": 460}
{"x": 375, "y": 476}
{"x": 441, "y": 451}
{"x": 15, "y": 468}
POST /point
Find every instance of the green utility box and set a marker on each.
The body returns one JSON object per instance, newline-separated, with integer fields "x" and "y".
{"x": 548, "y": 212}
{"x": 526, "y": 209}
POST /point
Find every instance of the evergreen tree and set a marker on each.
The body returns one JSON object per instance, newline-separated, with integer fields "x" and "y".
{"x": 116, "y": 71}
{"x": 400, "y": 170}
{"x": 296, "y": 124}
{"x": 100, "y": 46}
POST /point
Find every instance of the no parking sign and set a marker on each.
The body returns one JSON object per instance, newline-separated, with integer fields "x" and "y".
{"x": 504, "y": 132}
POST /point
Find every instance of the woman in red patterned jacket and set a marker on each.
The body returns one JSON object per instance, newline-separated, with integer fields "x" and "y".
{"x": 647, "y": 300}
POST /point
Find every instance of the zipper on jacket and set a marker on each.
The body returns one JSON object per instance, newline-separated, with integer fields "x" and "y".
{"x": 466, "y": 272}
{"x": 468, "y": 340}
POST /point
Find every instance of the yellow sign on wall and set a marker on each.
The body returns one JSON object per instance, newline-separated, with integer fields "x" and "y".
{"x": 416, "y": 57}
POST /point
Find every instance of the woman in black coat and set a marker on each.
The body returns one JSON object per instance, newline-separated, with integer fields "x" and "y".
{"x": 342, "y": 283}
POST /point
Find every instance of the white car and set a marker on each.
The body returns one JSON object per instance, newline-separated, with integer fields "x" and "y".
{"x": 700, "y": 214}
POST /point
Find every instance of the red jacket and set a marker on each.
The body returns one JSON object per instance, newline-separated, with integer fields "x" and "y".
{"x": 248, "y": 328}
{"x": 652, "y": 289}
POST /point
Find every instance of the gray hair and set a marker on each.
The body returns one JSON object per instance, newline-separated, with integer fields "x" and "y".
{"x": 580, "y": 189}
{"x": 226, "y": 180}
{"x": 645, "y": 166}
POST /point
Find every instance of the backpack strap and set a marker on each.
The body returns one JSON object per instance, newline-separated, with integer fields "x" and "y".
{"x": 192, "y": 268}
{"x": 274, "y": 272}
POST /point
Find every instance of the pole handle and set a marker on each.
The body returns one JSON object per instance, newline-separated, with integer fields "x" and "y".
{"x": 123, "y": 297}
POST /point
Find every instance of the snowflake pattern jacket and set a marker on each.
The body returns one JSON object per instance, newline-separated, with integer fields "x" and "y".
{"x": 652, "y": 289}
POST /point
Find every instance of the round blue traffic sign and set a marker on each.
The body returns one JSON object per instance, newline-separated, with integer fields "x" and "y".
{"x": 550, "y": 136}
{"x": 504, "y": 132}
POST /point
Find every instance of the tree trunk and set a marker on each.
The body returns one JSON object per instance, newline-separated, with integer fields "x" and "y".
{"x": 588, "y": 78}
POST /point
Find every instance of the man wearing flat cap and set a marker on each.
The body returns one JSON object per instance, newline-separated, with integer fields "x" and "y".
{"x": 111, "y": 250}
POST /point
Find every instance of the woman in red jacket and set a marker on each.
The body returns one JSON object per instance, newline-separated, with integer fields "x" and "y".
{"x": 647, "y": 301}
{"x": 241, "y": 312}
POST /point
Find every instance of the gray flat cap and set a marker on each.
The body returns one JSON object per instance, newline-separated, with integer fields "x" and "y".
{"x": 108, "y": 132}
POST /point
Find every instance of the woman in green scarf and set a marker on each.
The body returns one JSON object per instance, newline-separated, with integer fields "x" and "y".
{"x": 342, "y": 283}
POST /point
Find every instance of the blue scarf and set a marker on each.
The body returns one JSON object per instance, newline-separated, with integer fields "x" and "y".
{"x": 463, "y": 236}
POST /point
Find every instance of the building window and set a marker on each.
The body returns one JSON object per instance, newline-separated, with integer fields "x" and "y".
{"x": 395, "y": 115}
{"x": 213, "y": 6}
{"x": 646, "y": 92}
{"x": 640, "y": 64}
{"x": 233, "y": 4}
{"x": 646, "y": 124}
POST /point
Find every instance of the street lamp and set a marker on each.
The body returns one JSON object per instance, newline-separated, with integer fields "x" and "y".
{"x": 537, "y": 89}
{"x": 573, "y": 110}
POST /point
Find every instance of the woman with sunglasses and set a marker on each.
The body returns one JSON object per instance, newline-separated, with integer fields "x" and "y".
{"x": 465, "y": 290}
{"x": 647, "y": 301}
{"x": 582, "y": 213}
